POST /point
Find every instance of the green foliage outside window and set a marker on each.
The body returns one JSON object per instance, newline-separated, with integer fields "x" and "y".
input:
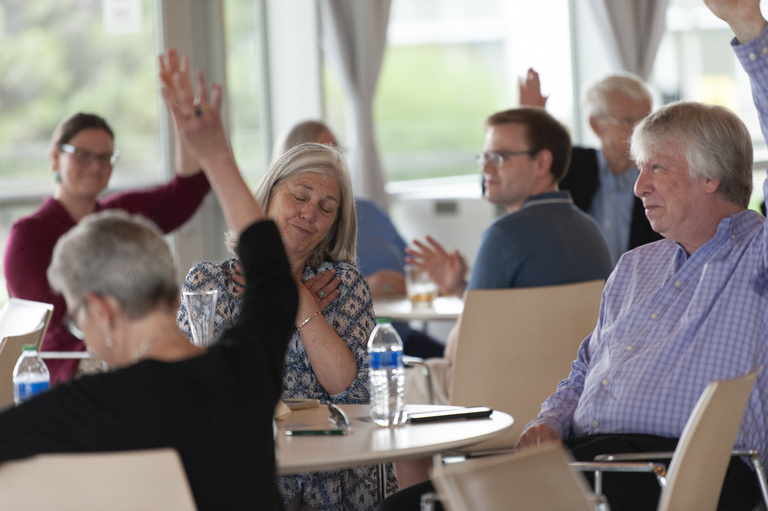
{"x": 56, "y": 60}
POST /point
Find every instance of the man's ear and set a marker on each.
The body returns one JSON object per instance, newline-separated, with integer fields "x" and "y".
{"x": 544, "y": 162}
{"x": 596, "y": 126}
{"x": 711, "y": 185}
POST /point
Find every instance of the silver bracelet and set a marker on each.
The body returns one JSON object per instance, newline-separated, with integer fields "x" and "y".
{"x": 308, "y": 320}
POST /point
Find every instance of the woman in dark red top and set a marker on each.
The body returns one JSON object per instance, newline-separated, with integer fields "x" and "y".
{"x": 82, "y": 159}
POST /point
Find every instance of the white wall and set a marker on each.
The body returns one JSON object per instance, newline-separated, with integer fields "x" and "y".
{"x": 294, "y": 63}
{"x": 451, "y": 210}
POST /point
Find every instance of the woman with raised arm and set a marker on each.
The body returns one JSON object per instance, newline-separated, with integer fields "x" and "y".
{"x": 214, "y": 405}
{"x": 307, "y": 192}
{"x": 82, "y": 158}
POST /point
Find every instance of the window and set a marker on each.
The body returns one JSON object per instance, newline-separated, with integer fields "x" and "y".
{"x": 450, "y": 64}
{"x": 695, "y": 62}
{"x": 68, "y": 56}
{"x": 244, "y": 84}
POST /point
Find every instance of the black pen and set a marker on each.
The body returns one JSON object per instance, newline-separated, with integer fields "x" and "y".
{"x": 314, "y": 432}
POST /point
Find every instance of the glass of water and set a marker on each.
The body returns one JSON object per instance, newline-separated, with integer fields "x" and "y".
{"x": 201, "y": 311}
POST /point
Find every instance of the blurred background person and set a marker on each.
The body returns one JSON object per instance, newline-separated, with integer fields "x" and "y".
{"x": 380, "y": 248}
{"x": 543, "y": 239}
{"x": 308, "y": 193}
{"x": 82, "y": 159}
{"x": 214, "y": 406}
{"x": 601, "y": 180}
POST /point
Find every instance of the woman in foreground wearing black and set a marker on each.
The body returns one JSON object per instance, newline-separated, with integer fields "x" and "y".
{"x": 214, "y": 406}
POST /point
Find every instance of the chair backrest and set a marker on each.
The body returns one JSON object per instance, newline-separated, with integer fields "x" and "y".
{"x": 148, "y": 480}
{"x": 23, "y": 316}
{"x": 697, "y": 470}
{"x": 21, "y": 322}
{"x": 515, "y": 345}
{"x": 536, "y": 479}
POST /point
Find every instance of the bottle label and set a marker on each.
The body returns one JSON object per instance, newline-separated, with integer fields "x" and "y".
{"x": 26, "y": 390}
{"x": 385, "y": 359}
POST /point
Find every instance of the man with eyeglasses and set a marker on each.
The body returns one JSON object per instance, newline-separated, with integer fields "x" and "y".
{"x": 601, "y": 180}
{"x": 681, "y": 312}
{"x": 544, "y": 239}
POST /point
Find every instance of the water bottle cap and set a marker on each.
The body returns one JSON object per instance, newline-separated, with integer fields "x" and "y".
{"x": 383, "y": 319}
{"x": 29, "y": 347}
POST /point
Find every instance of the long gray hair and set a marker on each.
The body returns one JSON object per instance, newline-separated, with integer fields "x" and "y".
{"x": 340, "y": 242}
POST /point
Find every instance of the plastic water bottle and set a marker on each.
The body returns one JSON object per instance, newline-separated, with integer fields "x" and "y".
{"x": 385, "y": 358}
{"x": 30, "y": 376}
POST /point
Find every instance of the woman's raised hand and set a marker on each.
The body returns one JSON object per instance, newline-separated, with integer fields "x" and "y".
{"x": 186, "y": 163}
{"x": 198, "y": 123}
{"x": 170, "y": 64}
{"x": 198, "y": 119}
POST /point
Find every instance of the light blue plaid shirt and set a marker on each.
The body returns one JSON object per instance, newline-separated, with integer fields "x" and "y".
{"x": 669, "y": 325}
{"x": 613, "y": 205}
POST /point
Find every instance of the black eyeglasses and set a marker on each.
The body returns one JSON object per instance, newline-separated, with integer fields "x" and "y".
{"x": 87, "y": 157}
{"x": 627, "y": 123}
{"x": 71, "y": 325}
{"x": 496, "y": 158}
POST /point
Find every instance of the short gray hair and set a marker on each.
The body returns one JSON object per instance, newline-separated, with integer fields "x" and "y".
{"x": 716, "y": 144}
{"x": 596, "y": 97}
{"x": 112, "y": 253}
{"x": 340, "y": 242}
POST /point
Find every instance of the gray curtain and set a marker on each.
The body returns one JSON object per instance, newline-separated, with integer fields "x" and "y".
{"x": 636, "y": 27}
{"x": 354, "y": 39}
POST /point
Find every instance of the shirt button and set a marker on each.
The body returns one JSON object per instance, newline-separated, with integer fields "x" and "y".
{"x": 678, "y": 283}
{"x": 594, "y": 424}
{"x": 629, "y": 348}
{"x": 765, "y": 50}
{"x": 654, "y": 316}
{"x": 752, "y": 56}
{"x": 606, "y": 381}
{"x": 733, "y": 236}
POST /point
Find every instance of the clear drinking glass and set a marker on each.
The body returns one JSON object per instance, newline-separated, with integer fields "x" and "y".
{"x": 420, "y": 289}
{"x": 201, "y": 310}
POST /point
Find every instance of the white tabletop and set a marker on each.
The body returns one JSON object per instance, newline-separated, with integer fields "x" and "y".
{"x": 369, "y": 444}
{"x": 402, "y": 309}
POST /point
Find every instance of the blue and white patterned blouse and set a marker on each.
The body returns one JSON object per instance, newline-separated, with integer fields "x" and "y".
{"x": 352, "y": 317}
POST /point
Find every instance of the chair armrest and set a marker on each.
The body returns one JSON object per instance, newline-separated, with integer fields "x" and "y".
{"x": 412, "y": 361}
{"x": 64, "y": 355}
{"x": 635, "y": 456}
{"x": 588, "y": 466}
{"x": 598, "y": 467}
{"x": 745, "y": 452}
{"x": 85, "y": 357}
{"x": 409, "y": 361}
